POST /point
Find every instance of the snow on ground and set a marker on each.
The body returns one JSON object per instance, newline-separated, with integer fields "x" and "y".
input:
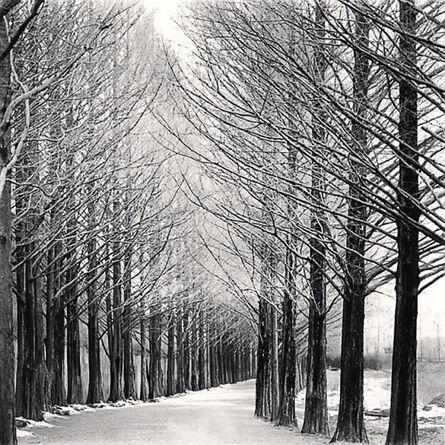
{"x": 215, "y": 417}
{"x": 23, "y": 433}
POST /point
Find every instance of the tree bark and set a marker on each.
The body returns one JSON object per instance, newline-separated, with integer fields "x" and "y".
{"x": 262, "y": 397}
{"x": 58, "y": 393}
{"x": 286, "y": 414}
{"x": 316, "y": 407}
{"x": 95, "y": 391}
{"x": 171, "y": 356}
{"x": 116, "y": 392}
{"x": 403, "y": 413}
{"x": 155, "y": 380}
{"x": 350, "y": 422}
{"x": 144, "y": 363}
{"x": 75, "y": 392}
{"x": 129, "y": 373}
{"x": 187, "y": 351}
{"x": 34, "y": 373}
{"x": 7, "y": 395}
{"x": 180, "y": 353}
{"x": 274, "y": 384}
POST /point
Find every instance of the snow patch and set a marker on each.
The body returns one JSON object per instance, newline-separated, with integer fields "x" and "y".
{"x": 432, "y": 411}
{"x": 23, "y": 433}
{"x": 33, "y": 423}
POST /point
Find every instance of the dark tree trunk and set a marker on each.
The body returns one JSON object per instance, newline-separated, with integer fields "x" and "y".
{"x": 143, "y": 394}
{"x": 75, "y": 392}
{"x": 34, "y": 372}
{"x": 274, "y": 374}
{"x": 286, "y": 414}
{"x": 129, "y": 373}
{"x": 220, "y": 354}
{"x": 180, "y": 353}
{"x": 116, "y": 392}
{"x": 262, "y": 396}
{"x": 403, "y": 413}
{"x": 202, "y": 381}
{"x": 95, "y": 391}
{"x": 194, "y": 356}
{"x": 20, "y": 254}
{"x": 171, "y": 356}
{"x": 187, "y": 355}
{"x": 144, "y": 363}
{"x": 21, "y": 306}
{"x": 7, "y": 395}
{"x": 350, "y": 422}
{"x": 58, "y": 393}
{"x": 316, "y": 407}
{"x": 155, "y": 378}
{"x": 214, "y": 366}
{"x": 109, "y": 312}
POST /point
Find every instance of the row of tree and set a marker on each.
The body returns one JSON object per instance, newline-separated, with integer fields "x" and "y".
{"x": 95, "y": 236}
{"x": 322, "y": 124}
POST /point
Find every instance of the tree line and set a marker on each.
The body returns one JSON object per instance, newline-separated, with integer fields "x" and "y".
{"x": 321, "y": 129}
{"x": 94, "y": 236}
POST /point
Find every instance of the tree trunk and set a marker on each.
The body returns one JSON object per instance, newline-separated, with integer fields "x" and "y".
{"x": 286, "y": 414}
{"x": 95, "y": 391}
{"x": 58, "y": 393}
{"x": 129, "y": 373}
{"x": 180, "y": 353}
{"x": 75, "y": 392}
{"x": 34, "y": 372}
{"x": 262, "y": 398}
{"x": 20, "y": 254}
{"x": 316, "y": 407}
{"x": 116, "y": 392}
{"x": 187, "y": 355}
{"x": 350, "y": 422}
{"x": 194, "y": 357}
{"x": 274, "y": 384}
{"x": 7, "y": 395}
{"x": 155, "y": 380}
{"x": 202, "y": 383}
{"x": 403, "y": 413}
{"x": 144, "y": 363}
{"x": 171, "y": 356}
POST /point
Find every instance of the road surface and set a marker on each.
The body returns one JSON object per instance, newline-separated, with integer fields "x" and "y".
{"x": 218, "y": 416}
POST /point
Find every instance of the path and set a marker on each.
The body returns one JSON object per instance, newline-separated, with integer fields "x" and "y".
{"x": 217, "y": 416}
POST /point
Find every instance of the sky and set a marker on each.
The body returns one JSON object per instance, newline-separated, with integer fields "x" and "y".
{"x": 167, "y": 10}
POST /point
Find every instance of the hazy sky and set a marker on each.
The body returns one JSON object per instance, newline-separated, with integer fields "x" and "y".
{"x": 165, "y": 15}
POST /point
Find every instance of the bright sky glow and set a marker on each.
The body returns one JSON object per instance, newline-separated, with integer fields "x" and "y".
{"x": 166, "y": 12}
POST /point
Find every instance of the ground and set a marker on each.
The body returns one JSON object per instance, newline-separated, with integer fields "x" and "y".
{"x": 217, "y": 416}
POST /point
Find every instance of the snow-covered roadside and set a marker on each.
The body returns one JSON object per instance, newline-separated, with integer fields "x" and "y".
{"x": 64, "y": 412}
